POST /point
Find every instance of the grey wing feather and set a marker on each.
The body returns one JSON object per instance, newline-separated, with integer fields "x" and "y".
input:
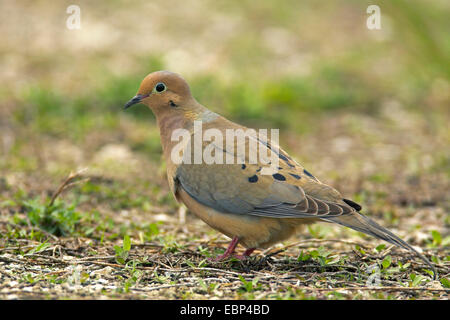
{"x": 226, "y": 188}
{"x": 271, "y": 205}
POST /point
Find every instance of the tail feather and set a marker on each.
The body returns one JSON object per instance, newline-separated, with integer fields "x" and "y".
{"x": 365, "y": 225}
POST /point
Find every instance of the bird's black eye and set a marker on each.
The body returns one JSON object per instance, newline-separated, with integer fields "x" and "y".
{"x": 160, "y": 87}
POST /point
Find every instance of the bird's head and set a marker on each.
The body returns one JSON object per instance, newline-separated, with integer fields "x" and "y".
{"x": 162, "y": 91}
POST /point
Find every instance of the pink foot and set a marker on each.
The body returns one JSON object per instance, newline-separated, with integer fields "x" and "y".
{"x": 246, "y": 254}
{"x": 227, "y": 252}
{"x": 230, "y": 252}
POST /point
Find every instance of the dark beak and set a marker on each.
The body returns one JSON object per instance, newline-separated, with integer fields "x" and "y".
{"x": 136, "y": 99}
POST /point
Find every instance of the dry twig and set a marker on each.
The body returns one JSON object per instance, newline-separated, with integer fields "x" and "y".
{"x": 68, "y": 182}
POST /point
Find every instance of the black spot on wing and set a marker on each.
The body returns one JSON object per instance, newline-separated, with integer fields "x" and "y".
{"x": 253, "y": 179}
{"x": 243, "y": 166}
{"x": 280, "y": 155}
{"x": 308, "y": 174}
{"x": 283, "y": 157}
{"x": 279, "y": 177}
{"x": 296, "y": 176}
{"x": 352, "y": 204}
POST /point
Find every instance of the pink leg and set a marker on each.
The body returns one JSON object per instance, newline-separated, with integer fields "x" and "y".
{"x": 246, "y": 254}
{"x": 229, "y": 251}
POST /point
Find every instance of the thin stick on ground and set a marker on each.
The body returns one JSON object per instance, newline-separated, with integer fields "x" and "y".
{"x": 68, "y": 182}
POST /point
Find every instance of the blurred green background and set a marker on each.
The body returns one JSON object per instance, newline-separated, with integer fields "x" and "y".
{"x": 366, "y": 110}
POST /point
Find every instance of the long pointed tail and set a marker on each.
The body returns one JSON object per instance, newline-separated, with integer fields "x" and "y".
{"x": 363, "y": 224}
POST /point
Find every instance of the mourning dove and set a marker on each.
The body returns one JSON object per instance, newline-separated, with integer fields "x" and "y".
{"x": 254, "y": 207}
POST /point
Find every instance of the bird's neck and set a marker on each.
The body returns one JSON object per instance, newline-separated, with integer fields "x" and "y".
{"x": 167, "y": 124}
{"x": 182, "y": 118}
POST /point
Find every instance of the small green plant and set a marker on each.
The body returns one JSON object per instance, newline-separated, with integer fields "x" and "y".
{"x": 387, "y": 268}
{"x": 437, "y": 238}
{"x": 170, "y": 245}
{"x": 159, "y": 278}
{"x": 386, "y": 262}
{"x": 249, "y": 286}
{"x": 403, "y": 267}
{"x": 324, "y": 257}
{"x": 54, "y": 216}
{"x": 201, "y": 264}
{"x": 151, "y": 231}
{"x": 445, "y": 282}
{"x": 360, "y": 250}
{"x": 303, "y": 256}
{"x": 122, "y": 252}
{"x": 204, "y": 251}
{"x": 209, "y": 288}
{"x": 28, "y": 277}
{"x": 321, "y": 255}
{"x": 39, "y": 248}
{"x": 58, "y": 218}
{"x": 416, "y": 279}
{"x": 135, "y": 275}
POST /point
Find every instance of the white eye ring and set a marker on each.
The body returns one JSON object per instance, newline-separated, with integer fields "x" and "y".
{"x": 160, "y": 87}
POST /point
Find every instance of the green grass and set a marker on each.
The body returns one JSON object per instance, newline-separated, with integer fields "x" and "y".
{"x": 367, "y": 111}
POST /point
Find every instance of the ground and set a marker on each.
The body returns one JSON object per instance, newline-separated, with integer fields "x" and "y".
{"x": 365, "y": 112}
